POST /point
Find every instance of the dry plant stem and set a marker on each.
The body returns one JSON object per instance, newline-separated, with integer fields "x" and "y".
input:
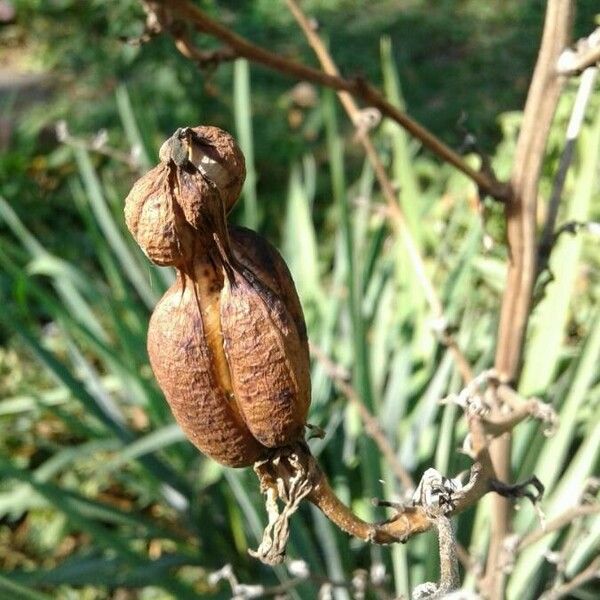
{"x": 371, "y": 424}
{"x": 357, "y": 87}
{"x": 66, "y": 138}
{"x": 520, "y": 211}
{"x": 586, "y": 86}
{"x": 393, "y": 209}
{"x": 408, "y": 523}
{"x": 201, "y": 57}
{"x": 561, "y": 521}
{"x": 591, "y": 572}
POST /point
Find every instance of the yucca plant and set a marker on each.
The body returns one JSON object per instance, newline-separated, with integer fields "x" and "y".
{"x": 100, "y": 491}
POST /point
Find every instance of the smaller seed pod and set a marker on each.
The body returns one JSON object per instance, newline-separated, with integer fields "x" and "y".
{"x": 156, "y": 220}
{"x": 200, "y": 177}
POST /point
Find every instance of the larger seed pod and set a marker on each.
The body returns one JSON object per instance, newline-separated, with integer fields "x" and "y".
{"x": 186, "y": 354}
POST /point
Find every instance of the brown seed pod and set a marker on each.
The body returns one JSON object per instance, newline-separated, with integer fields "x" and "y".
{"x": 156, "y": 221}
{"x": 227, "y": 342}
{"x": 266, "y": 359}
{"x": 200, "y": 176}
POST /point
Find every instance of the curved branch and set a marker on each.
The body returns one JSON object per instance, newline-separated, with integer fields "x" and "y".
{"x": 357, "y": 87}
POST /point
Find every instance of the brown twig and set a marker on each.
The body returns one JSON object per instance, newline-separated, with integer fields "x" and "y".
{"x": 291, "y": 474}
{"x": 559, "y": 522}
{"x": 591, "y": 572}
{"x": 410, "y": 520}
{"x": 520, "y": 409}
{"x": 357, "y": 87}
{"x": 203, "y": 58}
{"x": 474, "y": 399}
{"x": 520, "y": 210}
{"x": 394, "y": 210}
{"x": 587, "y": 59}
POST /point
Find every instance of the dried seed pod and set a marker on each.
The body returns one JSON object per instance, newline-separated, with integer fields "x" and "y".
{"x": 266, "y": 359}
{"x": 200, "y": 176}
{"x": 227, "y": 342}
{"x": 156, "y": 221}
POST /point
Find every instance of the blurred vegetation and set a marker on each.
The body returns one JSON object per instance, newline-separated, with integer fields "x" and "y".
{"x": 99, "y": 492}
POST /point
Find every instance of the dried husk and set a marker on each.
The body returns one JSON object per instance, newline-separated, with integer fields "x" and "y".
{"x": 156, "y": 221}
{"x": 266, "y": 359}
{"x": 227, "y": 342}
